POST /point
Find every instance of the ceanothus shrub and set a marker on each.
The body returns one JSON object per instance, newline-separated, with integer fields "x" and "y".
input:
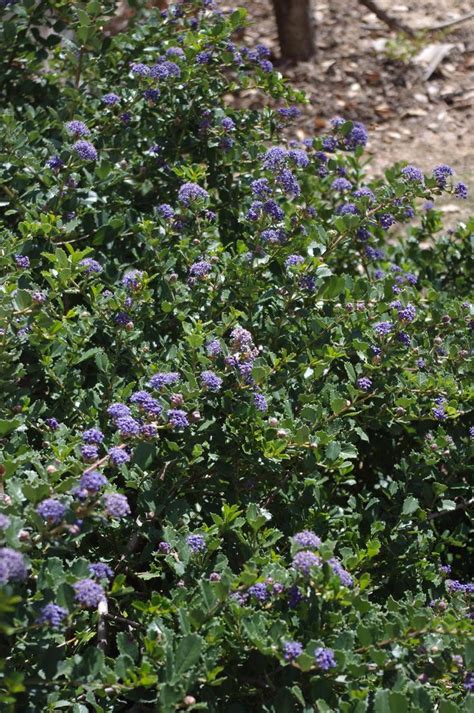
{"x": 236, "y": 426}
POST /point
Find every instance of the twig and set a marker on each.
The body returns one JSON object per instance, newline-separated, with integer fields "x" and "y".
{"x": 460, "y": 506}
{"x": 448, "y": 23}
{"x": 103, "y": 610}
{"x": 123, "y": 620}
{"x": 389, "y": 20}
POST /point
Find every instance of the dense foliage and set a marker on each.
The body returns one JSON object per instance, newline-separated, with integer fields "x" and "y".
{"x": 236, "y": 422}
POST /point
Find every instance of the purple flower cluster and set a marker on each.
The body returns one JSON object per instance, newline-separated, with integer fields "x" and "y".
{"x": 200, "y": 268}
{"x": 196, "y": 543}
{"x": 12, "y": 565}
{"x": 166, "y": 211}
{"x": 118, "y": 410}
{"x": 453, "y": 585}
{"x": 22, "y": 261}
{"x": 441, "y": 174}
{"x": 4, "y": 521}
{"x": 460, "y": 190}
{"x": 118, "y": 456}
{"x": 325, "y": 658}
{"x": 178, "y": 418}
{"x": 211, "y": 381}
{"x": 341, "y": 185}
{"x": 386, "y": 220}
{"x": 338, "y": 569}
{"x": 116, "y": 505}
{"x": 347, "y": 209}
{"x": 275, "y": 158}
{"x": 92, "y": 481}
{"x": 407, "y": 314}
{"x": 469, "y": 682}
{"x": 364, "y": 193}
{"x": 291, "y": 650}
{"x": 51, "y": 510}
{"x": 88, "y": 593}
{"x": 287, "y": 180}
{"x": 304, "y": 560}
{"x": 132, "y": 279}
{"x": 92, "y": 436}
{"x": 77, "y": 128}
{"x": 259, "y": 591}
{"x": 260, "y": 402}
{"x": 55, "y": 163}
{"x": 191, "y": 192}
{"x": 146, "y": 402}
{"x": 261, "y": 188}
{"x": 293, "y": 260}
{"x": 85, "y": 150}
{"x": 127, "y": 427}
{"x": 110, "y": 99}
{"x": 273, "y": 236}
{"x": 383, "y": 328}
{"x": 91, "y": 265}
{"x": 413, "y": 174}
{"x": 101, "y": 570}
{"x": 307, "y": 539}
{"x": 213, "y": 348}
{"x": 53, "y": 615}
{"x": 290, "y": 112}
{"x": 438, "y": 411}
{"x": 161, "y": 379}
{"x": 364, "y": 383}
{"x": 357, "y": 136}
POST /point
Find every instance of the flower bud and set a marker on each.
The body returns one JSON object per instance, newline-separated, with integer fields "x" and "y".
{"x": 214, "y": 577}
{"x": 23, "y": 535}
{"x": 177, "y": 399}
{"x": 273, "y": 422}
{"x": 173, "y": 277}
{"x": 51, "y": 469}
{"x": 281, "y": 433}
{"x": 195, "y": 416}
{"x": 189, "y": 700}
{"x": 129, "y": 326}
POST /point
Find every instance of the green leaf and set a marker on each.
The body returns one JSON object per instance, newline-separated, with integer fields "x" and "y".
{"x": 410, "y": 505}
{"x": 257, "y": 516}
{"x": 382, "y": 702}
{"x": 447, "y": 707}
{"x": 187, "y": 654}
{"x": 398, "y": 702}
{"x": 6, "y": 425}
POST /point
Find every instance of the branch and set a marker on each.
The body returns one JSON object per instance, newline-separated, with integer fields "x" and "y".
{"x": 460, "y": 506}
{"x": 389, "y": 20}
{"x": 448, "y": 23}
{"x": 103, "y": 610}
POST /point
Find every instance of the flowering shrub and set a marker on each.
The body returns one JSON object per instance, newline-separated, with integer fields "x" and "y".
{"x": 236, "y": 422}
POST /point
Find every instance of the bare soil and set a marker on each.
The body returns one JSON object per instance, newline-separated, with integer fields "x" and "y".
{"x": 364, "y": 71}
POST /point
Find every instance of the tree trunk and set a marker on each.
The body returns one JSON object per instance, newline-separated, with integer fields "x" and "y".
{"x": 295, "y": 28}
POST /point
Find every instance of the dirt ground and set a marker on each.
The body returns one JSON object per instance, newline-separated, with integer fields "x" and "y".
{"x": 417, "y": 97}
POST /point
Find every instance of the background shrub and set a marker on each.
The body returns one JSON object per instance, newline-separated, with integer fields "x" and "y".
{"x": 236, "y": 430}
